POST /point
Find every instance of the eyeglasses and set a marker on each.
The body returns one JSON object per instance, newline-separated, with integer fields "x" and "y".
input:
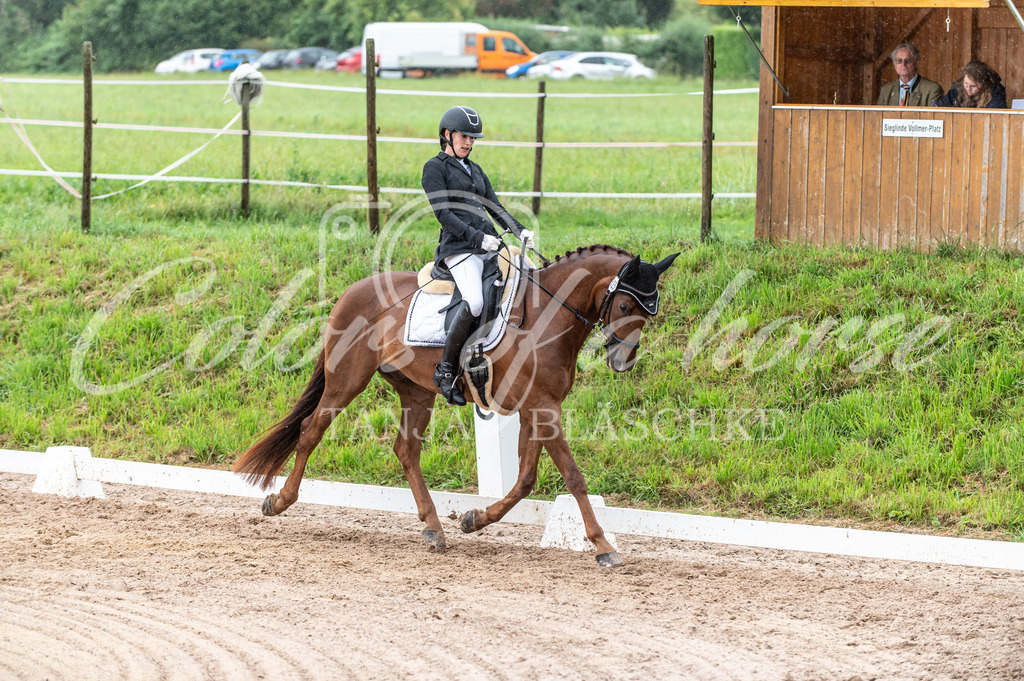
{"x": 908, "y": 60}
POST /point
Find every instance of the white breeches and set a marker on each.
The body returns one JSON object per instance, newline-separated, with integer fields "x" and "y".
{"x": 468, "y": 272}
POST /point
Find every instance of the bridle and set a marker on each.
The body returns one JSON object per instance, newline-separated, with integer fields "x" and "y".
{"x": 648, "y": 300}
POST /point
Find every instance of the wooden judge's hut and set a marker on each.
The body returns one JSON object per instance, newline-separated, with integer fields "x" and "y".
{"x": 835, "y": 168}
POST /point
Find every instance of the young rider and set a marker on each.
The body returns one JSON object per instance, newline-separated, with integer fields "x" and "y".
{"x": 462, "y": 198}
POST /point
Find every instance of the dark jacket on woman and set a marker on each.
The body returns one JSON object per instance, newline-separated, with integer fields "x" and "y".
{"x": 998, "y": 97}
{"x": 462, "y": 202}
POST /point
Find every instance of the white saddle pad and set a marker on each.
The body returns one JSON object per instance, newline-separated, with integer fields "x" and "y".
{"x": 424, "y": 325}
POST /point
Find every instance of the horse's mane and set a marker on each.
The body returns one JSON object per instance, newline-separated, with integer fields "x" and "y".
{"x": 584, "y": 251}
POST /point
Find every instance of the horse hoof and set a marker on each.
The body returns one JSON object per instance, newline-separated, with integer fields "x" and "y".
{"x": 435, "y": 538}
{"x": 610, "y": 560}
{"x": 469, "y": 522}
{"x": 268, "y": 506}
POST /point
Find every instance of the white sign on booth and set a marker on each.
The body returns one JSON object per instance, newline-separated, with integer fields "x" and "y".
{"x": 902, "y": 127}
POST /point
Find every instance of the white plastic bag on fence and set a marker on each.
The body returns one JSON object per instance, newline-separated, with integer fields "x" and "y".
{"x": 245, "y": 73}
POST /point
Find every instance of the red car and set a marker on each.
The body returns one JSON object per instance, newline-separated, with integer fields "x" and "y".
{"x": 348, "y": 61}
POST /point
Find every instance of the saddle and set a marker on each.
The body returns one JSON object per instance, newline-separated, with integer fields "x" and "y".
{"x": 438, "y": 295}
{"x": 436, "y": 278}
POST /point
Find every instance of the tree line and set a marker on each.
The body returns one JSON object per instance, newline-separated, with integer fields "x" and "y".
{"x": 134, "y": 35}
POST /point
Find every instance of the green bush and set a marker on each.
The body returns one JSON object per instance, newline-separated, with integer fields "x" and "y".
{"x": 585, "y": 39}
{"x": 735, "y": 57}
{"x": 682, "y": 46}
{"x": 527, "y": 31}
{"x": 133, "y": 35}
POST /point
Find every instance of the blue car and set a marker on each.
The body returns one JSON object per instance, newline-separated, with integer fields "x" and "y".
{"x": 230, "y": 59}
{"x": 519, "y": 70}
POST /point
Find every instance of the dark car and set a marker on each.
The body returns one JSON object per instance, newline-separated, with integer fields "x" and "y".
{"x": 229, "y": 60}
{"x": 274, "y": 59}
{"x": 349, "y": 60}
{"x": 307, "y": 57}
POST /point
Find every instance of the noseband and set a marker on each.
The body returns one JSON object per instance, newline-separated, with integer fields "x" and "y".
{"x": 648, "y": 300}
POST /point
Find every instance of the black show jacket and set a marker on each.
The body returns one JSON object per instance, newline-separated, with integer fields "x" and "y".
{"x": 462, "y": 202}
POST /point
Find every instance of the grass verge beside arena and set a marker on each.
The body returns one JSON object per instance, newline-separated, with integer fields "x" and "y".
{"x": 836, "y": 385}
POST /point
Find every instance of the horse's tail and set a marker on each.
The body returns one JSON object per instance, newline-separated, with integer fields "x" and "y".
{"x": 262, "y": 461}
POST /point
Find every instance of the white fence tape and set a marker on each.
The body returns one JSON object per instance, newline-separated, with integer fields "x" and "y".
{"x": 19, "y": 130}
{"x": 754, "y": 533}
{"x": 362, "y": 138}
{"x": 382, "y": 190}
{"x": 174, "y": 165}
{"x": 361, "y": 90}
{"x": 17, "y": 124}
{"x": 101, "y": 81}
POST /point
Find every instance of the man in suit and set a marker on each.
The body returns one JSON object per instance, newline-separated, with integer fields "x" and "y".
{"x": 911, "y": 89}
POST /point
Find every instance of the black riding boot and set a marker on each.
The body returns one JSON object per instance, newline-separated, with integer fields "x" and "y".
{"x": 447, "y": 372}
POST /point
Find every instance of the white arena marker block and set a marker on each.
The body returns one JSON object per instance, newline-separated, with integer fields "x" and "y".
{"x": 59, "y": 474}
{"x": 497, "y": 453}
{"x": 565, "y": 530}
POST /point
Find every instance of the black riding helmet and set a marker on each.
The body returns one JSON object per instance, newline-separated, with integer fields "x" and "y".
{"x": 460, "y": 119}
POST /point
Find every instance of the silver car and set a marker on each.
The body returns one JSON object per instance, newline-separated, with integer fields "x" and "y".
{"x": 593, "y": 66}
{"x": 190, "y": 61}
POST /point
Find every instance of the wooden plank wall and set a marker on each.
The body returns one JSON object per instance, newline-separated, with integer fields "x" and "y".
{"x": 824, "y": 53}
{"x": 942, "y": 53}
{"x": 837, "y": 55}
{"x": 1000, "y": 43}
{"x": 836, "y": 180}
{"x": 826, "y": 175}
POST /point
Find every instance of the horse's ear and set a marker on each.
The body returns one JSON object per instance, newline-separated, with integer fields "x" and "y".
{"x": 632, "y": 269}
{"x": 665, "y": 264}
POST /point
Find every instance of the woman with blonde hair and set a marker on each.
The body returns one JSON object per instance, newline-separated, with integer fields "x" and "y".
{"x": 978, "y": 87}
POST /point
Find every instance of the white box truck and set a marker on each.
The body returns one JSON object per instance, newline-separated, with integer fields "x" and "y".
{"x": 422, "y": 48}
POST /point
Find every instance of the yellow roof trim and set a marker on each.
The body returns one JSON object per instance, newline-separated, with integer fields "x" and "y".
{"x": 851, "y": 3}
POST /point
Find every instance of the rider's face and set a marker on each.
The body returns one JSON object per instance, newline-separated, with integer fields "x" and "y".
{"x": 971, "y": 87}
{"x": 463, "y": 144}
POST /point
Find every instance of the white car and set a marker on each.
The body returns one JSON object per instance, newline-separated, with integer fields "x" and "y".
{"x": 593, "y": 66}
{"x": 189, "y": 61}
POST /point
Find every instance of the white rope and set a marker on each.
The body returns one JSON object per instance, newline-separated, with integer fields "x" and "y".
{"x": 19, "y": 130}
{"x": 173, "y": 165}
{"x": 383, "y": 190}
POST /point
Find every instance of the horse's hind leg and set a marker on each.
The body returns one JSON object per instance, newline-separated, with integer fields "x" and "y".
{"x": 417, "y": 407}
{"x": 340, "y": 389}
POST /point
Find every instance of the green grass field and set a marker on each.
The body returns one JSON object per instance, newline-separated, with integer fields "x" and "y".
{"x": 841, "y": 386}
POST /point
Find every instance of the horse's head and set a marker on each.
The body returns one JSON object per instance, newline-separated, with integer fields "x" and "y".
{"x": 629, "y": 300}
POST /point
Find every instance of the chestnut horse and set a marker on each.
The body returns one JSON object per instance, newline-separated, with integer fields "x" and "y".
{"x": 534, "y": 367}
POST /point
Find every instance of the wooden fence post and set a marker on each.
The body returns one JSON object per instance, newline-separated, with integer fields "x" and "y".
{"x": 87, "y": 138}
{"x": 373, "y": 214}
{"x": 246, "y": 131}
{"x": 538, "y": 158}
{"x": 708, "y": 138}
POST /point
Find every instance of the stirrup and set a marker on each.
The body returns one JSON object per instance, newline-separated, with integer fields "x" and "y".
{"x": 445, "y": 378}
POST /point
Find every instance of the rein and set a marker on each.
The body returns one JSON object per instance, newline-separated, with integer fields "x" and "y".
{"x": 602, "y": 311}
{"x": 616, "y": 286}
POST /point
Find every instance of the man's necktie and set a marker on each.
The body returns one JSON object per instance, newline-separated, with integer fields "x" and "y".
{"x": 906, "y": 94}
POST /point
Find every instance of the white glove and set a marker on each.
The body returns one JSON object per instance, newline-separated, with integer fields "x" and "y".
{"x": 527, "y": 238}
{"x": 490, "y": 243}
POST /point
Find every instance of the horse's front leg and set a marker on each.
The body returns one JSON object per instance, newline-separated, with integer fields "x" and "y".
{"x": 529, "y": 455}
{"x": 558, "y": 449}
